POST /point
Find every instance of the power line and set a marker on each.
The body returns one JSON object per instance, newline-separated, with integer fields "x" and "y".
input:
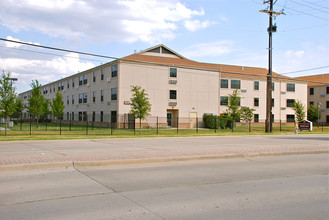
{"x": 321, "y": 6}
{"x": 51, "y": 54}
{"x": 298, "y": 71}
{"x": 306, "y": 13}
{"x": 308, "y": 6}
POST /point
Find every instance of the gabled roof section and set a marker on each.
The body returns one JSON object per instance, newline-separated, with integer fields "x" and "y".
{"x": 321, "y": 78}
{"x": 161, "y": 51}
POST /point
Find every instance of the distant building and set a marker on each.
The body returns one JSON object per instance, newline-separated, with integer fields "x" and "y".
{"x": 318, "y": 94}
{"x": 177, "y": 87}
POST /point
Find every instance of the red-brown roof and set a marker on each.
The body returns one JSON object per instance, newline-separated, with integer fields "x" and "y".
{"x": 226, "y": 70}
{"x": 321, "y": 78}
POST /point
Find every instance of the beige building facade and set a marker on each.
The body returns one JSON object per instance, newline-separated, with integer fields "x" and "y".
{"x": 318, "y": 94}
{"x": 177, "y": 88}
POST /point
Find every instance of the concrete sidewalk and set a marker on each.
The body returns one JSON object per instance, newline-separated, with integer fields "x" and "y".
{"x": 20, "y": 155}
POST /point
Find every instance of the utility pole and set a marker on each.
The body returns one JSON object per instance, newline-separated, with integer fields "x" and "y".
{"x": 270, "y": 30}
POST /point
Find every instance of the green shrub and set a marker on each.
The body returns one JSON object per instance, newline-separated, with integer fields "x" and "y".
{"x": 214, "y": 121}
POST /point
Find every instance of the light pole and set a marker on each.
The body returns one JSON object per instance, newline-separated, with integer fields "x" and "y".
{"x": 319, "y": 103}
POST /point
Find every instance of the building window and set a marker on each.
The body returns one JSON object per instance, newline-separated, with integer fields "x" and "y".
{"x": 224, "y": 83}
{"x": 256, "y": 117}
{"x": 113, "y": 116}
{"x": 235, "y": 84}
{"x": 173, "y": 72}
{"x": 311, "y": 103}
{"x": 272, "y": 102}
{"x": 59, "y": 86}
{"x": 223, "y": 100}
{"x": 311, "y": 91}
{"x": 68, "y": 84}
{"x": 256, "y": 85}
{"x": 272, "y": 86}
{"x": 327, "y": 104}
{"x": 290, "y": 118}
{"x": 291, "y": 87}
{"x": 80, "y": 116}
{"x": 80, "y": 80}
{"x": 84, "y": 97}
{"x": 85, "y": 79}
{"x": 173, "y": 94}
{"x": 114, "y": 70}
{"x": 94, "y": 77}
{"x": 114, "y": 94}
{"x": 94, "y": 96}
{"x": 67, "y": 116}
{"x": 80, "y": 98}
{"x": 290, "y": 102}
{"x": 72, "y": 116}
{"x": 72, "y": 83}
{"x": 102, "y": 96}
{"x": 327, "y": 89}
{"x": 102, "y": 74}
{"x": 102, "y": 116}
{"x": 256, "y": 101}
{"x": 94, "y": 114}
{"x": 72, "y": 99}
{"x": 67, "y": 100}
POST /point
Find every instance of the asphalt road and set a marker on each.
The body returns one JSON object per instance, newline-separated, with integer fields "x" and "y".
{"x": 281, "y": 187}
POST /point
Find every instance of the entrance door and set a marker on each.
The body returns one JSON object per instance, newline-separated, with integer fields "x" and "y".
{"x": 193, "y": 118}
{"x": 169, "y": 119}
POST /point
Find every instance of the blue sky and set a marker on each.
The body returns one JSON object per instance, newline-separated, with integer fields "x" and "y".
{"x": 216, "y": 31}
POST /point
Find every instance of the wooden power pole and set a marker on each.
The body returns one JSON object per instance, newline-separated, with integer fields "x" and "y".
{"x": 270, "y": 30}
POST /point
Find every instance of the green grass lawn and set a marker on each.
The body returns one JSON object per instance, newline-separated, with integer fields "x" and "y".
{"x": 52, "y": 131}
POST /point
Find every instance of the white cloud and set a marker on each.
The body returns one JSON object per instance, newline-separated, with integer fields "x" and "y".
{"x": 15, "y": 45}
{"x": 101, "y": 21}
{"x": 193, "y": 25}
{"x": 43, "y": 70}
{"x": 211, "y": 49}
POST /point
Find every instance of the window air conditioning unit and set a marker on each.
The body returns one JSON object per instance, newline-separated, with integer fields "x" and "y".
{"x": 76, "y": 105}
{"x": 283, "y": 108}
{"x": 243, "y": 90}
{"x": 108, "y": 80}
{"x": 88, "y": 84}
{"x": 172, "y": 81}
{"x": 172, "y": 103}
{"x": 108, "y": 102}
{"x": 283, "y": 92}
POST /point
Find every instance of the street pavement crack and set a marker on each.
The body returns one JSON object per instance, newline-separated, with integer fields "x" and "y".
{"x": 114, "y": 191}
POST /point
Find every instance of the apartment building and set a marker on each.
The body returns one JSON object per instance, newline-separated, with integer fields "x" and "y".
{"x": 176, "y": 87}
{"x": 318, "y": 94}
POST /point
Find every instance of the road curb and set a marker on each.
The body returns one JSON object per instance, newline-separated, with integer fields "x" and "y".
{"x": 75, "y": 164}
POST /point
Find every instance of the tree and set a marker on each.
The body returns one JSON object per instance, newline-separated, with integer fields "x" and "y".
{"x": 7, "y": 98}
{"x": 35, "y": 102}
{"x": 19, "y": 106}
{"x": 247, "y": 115}
{"x": 233, "y": 108}
{"x": 45, "y": 109}
{"x": 57, "y": 107}
{"x": 299, "y": 110}
{"x": 312, "y": 113}
{"x": 140, "y": 104}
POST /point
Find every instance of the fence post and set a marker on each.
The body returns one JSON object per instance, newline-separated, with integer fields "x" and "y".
{"x": 322, "y": 125}
{"x": 46, "y": 124}
{"x": 177, "y": 123}
{"x": 215, "y": 123}
{"x": 111, "y": 128}
{"x": 157, "y": 124}
{"x": 86, "y": 124}
{"x": 21, "y": 120}
{"x": 197, "y": 125}
{"x": 70, "y": 122}
{"x": 280, "y": 126}
{"x": 30, "y": 125}
{"x": 134, "y": 126}
{"x": 60, "y": 126}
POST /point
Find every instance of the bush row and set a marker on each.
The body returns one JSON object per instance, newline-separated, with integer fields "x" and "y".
{"x": 214, "y": 121}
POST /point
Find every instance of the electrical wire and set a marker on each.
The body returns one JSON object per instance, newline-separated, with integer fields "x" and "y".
{"x": 308, "y": 6}
{"x": 326, "y": 19}
{"x": 298, "y": 71}
{"x": 321, "y": 6}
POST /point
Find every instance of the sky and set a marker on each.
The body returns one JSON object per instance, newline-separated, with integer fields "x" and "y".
{"x": 230, "y": 32}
